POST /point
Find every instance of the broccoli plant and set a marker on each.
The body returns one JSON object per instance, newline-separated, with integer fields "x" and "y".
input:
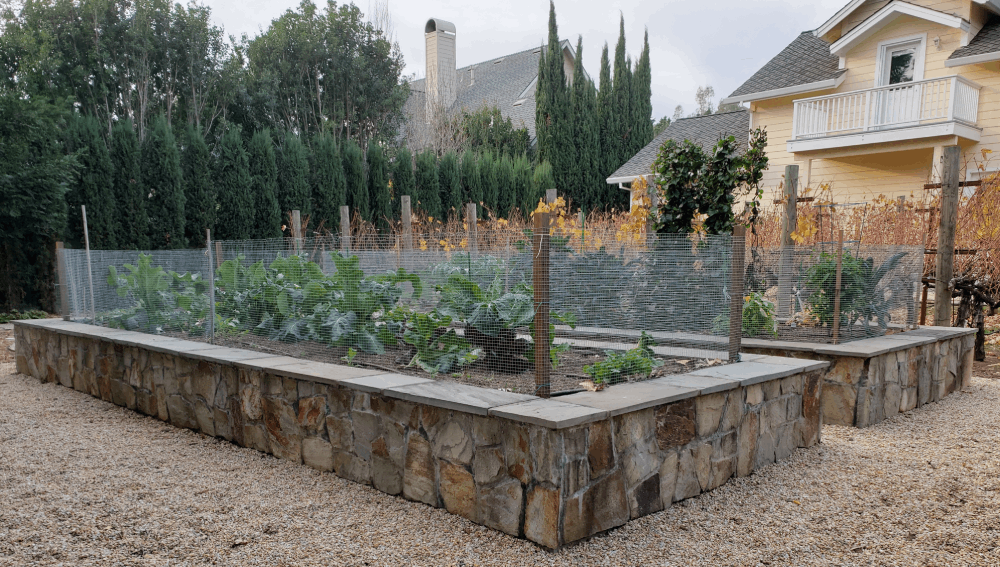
{"x": 618, "y": 366}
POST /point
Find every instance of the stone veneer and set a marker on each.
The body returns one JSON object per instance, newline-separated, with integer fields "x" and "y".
{"x": 553, "y": 471}
{"x": 871, "y": 380}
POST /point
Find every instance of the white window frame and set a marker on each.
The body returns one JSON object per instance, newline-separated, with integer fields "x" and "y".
{"x": 885, "y": 46}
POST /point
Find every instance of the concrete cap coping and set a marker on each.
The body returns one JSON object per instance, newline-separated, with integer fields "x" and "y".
{"x": 377, "y": 384}
{"x": 455, "y": 396}
{"x": 749, "y": 373}
{"x": 319, "y": 371}
{"x": 704, "y": 384}
{"x": 550, "y": 413}
{"x": 630, "y": 397}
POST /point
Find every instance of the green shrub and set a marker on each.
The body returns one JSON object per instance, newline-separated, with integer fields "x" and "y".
{"x": 618, "y": 366}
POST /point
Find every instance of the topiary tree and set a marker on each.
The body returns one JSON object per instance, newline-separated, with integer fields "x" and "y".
{"x": 354, "y": 171}
{"x": 93, "y": 184}
{"x": 450, "y": 184}
{"x": 199, "y": 191}
{"x": 130, "y": 201}
{"x": 693, "y": 182}
{"x": 328, "y": 183}
{"x": 428, "y": 187}
{"x": 232, "y": 181}
{"x": 293, "y": 176}
{"x": 263, "y": 165}
{"x": 378, "y": 187}
{"x": 403, "y": 180}
{"x": 163, "y": 181}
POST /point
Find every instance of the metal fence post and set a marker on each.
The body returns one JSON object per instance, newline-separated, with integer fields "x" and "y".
{"x": 210, "y": 327}
{"x": 90, "y": 273}
{"x": 61, "y": 278}
{"x": 540, "y": 281}
{"x": 836, "y": 289}
{"x": 736, "y": 293}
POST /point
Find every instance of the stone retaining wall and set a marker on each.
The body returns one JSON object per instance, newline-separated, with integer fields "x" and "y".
{"x": 550, "y": 470}
{"x": 871, "y": 380}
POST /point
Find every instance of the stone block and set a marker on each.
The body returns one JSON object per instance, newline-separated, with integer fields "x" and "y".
{"x": 397, "y": 411}
{"x": 732, "y": 416}
{"x": 687, "y": 484}
{"x": 575, "y": 442}
{"x": 546, "y": 455}
{"x": 791, "y": 385}
{"x": 387, "y": 476}
{"x": 846, "y": 370}
{"x": 180, "y": 411}
{"x": 576, "y": 475}
{"x": 419, "y": 475}
{"x": 644, "y": 498}
{"x": 839, "y": 402}
{"x": 500, "y": 506}
{"x": 773, "y": 413}
{"x": 145, "y": 403}
{"x": 454, "y": 444}
{"x": 675, "y": 424}
{"x": 283, "y": 432}
{"x": 703, "y": 464}
{"x": 893, "y": 400}
{"x": 787, "y": 441}
{"x": 601, "y": 507}
{"x": 205, "y": 416}
{"x": 766, "y": 445}
{"x": 772, "y": 389}
{"x": 488, "y": 465}
{"x": 340, "y": 431}
{"x": 205, "y": 380}
{"x": 541, "y": 516}
{"x": 708, "y": 410}
{"x": 312, "y": 413}
{"x": 639, "y": 463}
{"x": 349, "y": 466}
{"x": 317, "y": 453}
{"x": 458, "y": 490}
{"x": 601, "y": 450}
{"x": 755, "y": 394}
{"x": 668, "y": 478}
{"x": 255, "y": 437}
{"x": 250, "y": 402}
{"x": 746, "y": 444}
{"x": 486, "y": 430}
{"x": 223, "y": 424}
{"x": 793, "y": 407}
{"x": 366, "y": 429}
{"x": 722, "y": 470}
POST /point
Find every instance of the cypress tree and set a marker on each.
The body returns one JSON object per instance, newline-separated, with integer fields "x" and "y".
{"x": 354, "y": 172}
{"x": 378, "y": 187}
{"x": 506, "y": 192}
{"x": 523, "y": 186}
{"x": 586, "y": 182}
{"x": 428, "y": 187}
{"x": 403, "y": 181}
{"x": 199, "y": 191}
{"x": 606, "y": 124}
{"x": 162, "y": 180}
{"x": 552, "y": 114}
{"x": 541, "y": 180}
{"x": 92, "y": 185}
{"x": 133, "y": 225}
{"x": 621, "y": 102}
{"x": 450, "y": 182}
{"x": 264, "y": 185}
{"x": 488, "y": 179}
{"x": 232, "y": 181}
{"x": 328, "y": 183}
{"x": 642, "y": 104}
{"x": 472, "y": 186}
{"x": 293, "y": 176}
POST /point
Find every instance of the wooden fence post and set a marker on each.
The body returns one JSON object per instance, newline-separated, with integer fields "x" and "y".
{"x": 61, "y": 278}
{"x": 785, "y": 306}
{"x": 472, "y": 228}
{"x": 836, "y": 288}
{"x": 345, "y": 228}
{"x": 551, "y": 195}
{"x": 297, "y": 230}
{"x": 404, "y": 202}
{"x": 540, "y": 281}
{"x": 946, "y": 237}
{"x": 736, "y": 292}
{"x": 210, "y": 327}
{"x": 90, "y": 273}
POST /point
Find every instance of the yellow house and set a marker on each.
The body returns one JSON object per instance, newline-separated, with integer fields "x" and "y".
{"x": 866, "y": 102}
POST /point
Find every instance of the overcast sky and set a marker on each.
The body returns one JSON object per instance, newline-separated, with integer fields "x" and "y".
{"x": 692, "y": 42}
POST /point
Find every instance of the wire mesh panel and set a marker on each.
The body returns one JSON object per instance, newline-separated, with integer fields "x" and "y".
{"x": 792, "y": 292}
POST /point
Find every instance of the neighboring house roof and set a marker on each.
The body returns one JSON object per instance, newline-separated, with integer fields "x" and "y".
{"x": 806, "y": 64}
{"x": 704, "y": 131}
{"x": 984, "y": 47}
{"x": 507, "y": 82}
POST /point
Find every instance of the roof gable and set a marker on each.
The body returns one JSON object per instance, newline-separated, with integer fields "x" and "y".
{"x": 805, "y": 63}
{"x": 984, "y": 47}
{"x": 889, "y": 13}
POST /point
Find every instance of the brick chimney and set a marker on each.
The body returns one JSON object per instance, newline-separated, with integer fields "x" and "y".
{"x": 442, "y": 75}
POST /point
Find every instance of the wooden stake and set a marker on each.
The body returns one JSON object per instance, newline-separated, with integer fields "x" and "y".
{"x": 836, "y": 288}
{"x": 61, "y": 278}
{"x": 736, "y": 292}
{"x": 472, "y": 228}
{"x": 297, "y": 230}
{"x": 785, "y": 307}
{"x": 404, "y": 202}
{"x": 345, "y": 228}
{"x": 946, "y": 237}
{"x": 540, "y": 280}
{"x": 923, "y": 304}
{"x": 551, "y": 195}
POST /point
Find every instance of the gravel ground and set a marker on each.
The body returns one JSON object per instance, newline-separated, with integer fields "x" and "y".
{"x": 84, "y": 482}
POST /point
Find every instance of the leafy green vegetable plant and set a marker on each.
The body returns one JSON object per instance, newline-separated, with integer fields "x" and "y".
{"x": 164, "y": 300}
{"x": 439, "y": 349}
{"x": 618, "y": 366}
{"x": 758, "y": 317}
{"x": 861, "y": 296}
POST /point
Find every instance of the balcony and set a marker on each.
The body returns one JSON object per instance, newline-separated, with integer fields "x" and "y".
{"x": 904, "y": 112}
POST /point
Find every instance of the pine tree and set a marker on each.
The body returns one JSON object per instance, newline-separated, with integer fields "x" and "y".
{"x": 378, "y": 187}
{"x": 428, "y": 187}
{"x": 133, "y": 225}
{"x": 264, "y": 185}
{"x": 92, "y": 185}
{"x": 293, "y": 176}
{"x": 354, "y": 171}
{"x": 199, "y": 191}
{"x": 642, "y": 104}
{"x": 488, "y": 180}
{"x": 542, "y": 179}
{"x": 162, "y": 180}
{"x": 506, "y": 192}
{"x": 472, "y": 186}
{"x": 450, "y": 183}
{"x": 232, "y": 181}
{"x": 403, "y": 181}
{"x": 328, "y": 183}
{"x": 621, "y": 101}
{"x": 524, "y": 189}
{"x": 606, "y": 122}
{"x": 552, "y": 113}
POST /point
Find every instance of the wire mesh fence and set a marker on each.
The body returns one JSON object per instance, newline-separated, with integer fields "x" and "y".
{"x": 436, "y": 305}
{"x": 792, "y": 292}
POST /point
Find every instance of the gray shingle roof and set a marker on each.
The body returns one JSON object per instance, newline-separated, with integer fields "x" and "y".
{"x": 806, "y": 60}
{"x": 986, "y": 41}
{"x": 704, "y": 131}
{"x": 498, "y": 82}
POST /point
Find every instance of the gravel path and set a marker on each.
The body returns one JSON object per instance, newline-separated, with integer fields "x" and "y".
{"x": 83, "y": 482}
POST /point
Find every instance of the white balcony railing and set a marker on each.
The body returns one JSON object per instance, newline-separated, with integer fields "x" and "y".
{"x": 894, "y": 106}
